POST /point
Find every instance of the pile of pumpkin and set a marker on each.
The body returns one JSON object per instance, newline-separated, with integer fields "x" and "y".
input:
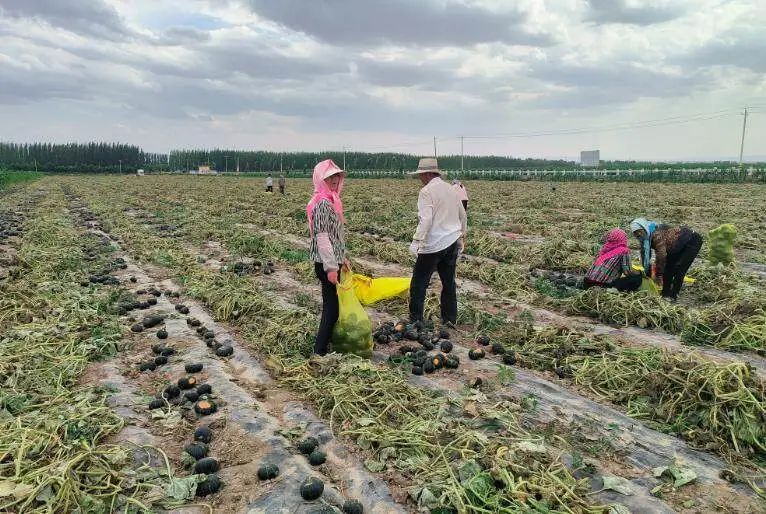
{"x": 207, "y": 335}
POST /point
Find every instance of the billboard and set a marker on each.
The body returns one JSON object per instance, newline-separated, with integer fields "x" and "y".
{"x": 590, "y": 158}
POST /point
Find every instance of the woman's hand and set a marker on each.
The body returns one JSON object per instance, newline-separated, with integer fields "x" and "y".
{"x": 346, "y": 265}
{"x": 332, "y": 276}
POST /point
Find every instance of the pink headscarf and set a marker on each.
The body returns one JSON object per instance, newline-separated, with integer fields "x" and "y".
{"x": 616, "y": 244}
{"x": 322, "y": 191}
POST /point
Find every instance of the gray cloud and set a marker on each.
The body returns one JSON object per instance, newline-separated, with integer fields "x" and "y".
{"x": 179, "y": 36}
{"x": 90, "y": 17}
{"x": 618, "y": 11}
{"x": 423, "y": 22}
{"x": 744, "y": 49}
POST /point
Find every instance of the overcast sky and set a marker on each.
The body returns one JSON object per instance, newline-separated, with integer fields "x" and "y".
{"x": 388, "y": 75}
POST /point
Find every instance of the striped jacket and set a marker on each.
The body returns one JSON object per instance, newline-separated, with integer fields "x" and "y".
{"x": 325, "y": 220}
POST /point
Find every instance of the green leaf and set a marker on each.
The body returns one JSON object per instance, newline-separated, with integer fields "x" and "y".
{"x": 618, "y": 509}
{"x": 618, "y": 484}
{"x": 183, "y": 489}
{"x": 18, "y": 491}
{"x": 374, "y": 465}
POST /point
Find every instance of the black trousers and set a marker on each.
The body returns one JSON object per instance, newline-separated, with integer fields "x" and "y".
{"x": 445, "y": 263}
{"x": 282, "y": 189}
{"x": 627, "y": 284}
{"x": 465, "y": 204}
{"x": 677, "y": 264}
{"x": 269, "y": 189}
{"x": 329, "y": 310}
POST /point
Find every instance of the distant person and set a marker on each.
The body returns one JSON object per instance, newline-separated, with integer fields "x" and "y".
{"x": 462, "y": 193}
{"x": 281, "y": 182}
{"x": 437, "y": 243}
{"x": 675, "y": 248}
{"x": 269, "y": 184}
{"x": 612, "y": 265}
{"x": 327, "y": 248}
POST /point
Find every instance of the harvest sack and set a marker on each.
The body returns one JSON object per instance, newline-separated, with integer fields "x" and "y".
{"x": 372, "y": 290}
{"x": 352, "y": 332}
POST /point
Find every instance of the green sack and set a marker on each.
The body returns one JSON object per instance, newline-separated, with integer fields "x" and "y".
{"x": 352, "y": 332}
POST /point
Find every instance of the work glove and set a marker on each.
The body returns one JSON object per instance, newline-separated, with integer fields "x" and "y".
{"x": 414, "y": 247}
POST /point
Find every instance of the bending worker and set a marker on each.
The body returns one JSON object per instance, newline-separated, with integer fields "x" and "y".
{"x": 437, "y": 242}
{"x": 612, "y": 265}
{"x": 675, "y": 248}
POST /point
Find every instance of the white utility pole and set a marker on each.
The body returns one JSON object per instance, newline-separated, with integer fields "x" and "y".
{"x": 120, "y": 165}
{"x": 434, "y": 147}
{"x": 742, "y": 144}
{"x": 344, "y": 158}
{"x": 280, "y": 164}
{"x": 461, "y": 154}
{"x": 238, "y": 164}
{"x": 226, "y": 163}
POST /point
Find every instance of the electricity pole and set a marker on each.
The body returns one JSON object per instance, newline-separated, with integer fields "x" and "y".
{"x": 434, "y": 147}
{"x": 344, "y": 158}
{"x": 742, "y": 144}
{"x": 280, "y": 164}
{"x": 226, "y": 163}
{"x": 461, "y": 154}
{"x": 238, "y": 165}
{"x": 120, "y": 166}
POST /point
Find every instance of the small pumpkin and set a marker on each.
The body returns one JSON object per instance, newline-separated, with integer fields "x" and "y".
{"x": 157, "y": 348}
{"x": 203, "y": 434}
{"x": 268, "y": 472}
{"x": 187, "y": 382}
{"x": 147, "y": 366}
{"x": 162, "y": 334}
{"x": 151, "y": 301}
{"x": 452, "y": 362}
{"x": 476, "y": 353}
{"x": 191, "y": 396}
{"x": 184, "y": 310}
{"x": 417, "y": 370}
{"x": 211, "y": 485}
{"x": 308, "y": 445}
{"x": 312, "y": 489}
{"x": 475, "y": 382}
{"x": 225, "y": 351}
{"x": 428, "y": 345}
{"x": 138, "y": 327}
{"x": 429, "y": 367}
{"x": 206, "y": 466}
{"x": 196, "y": 450}
{"x": 509, "y": 359}
{"x": 352, "y": 507}
{"x": 152, "y": 321}
{"x": 204, "y": 389}
{"x": 194, "y": 322}
{"x": 209, "y": 334}
{"x": 498, "y": 348}
{"x": 157, "y": 403}
{"x": 193, "y": 367}
{"x": 168, "y": 351}
{"x": 317, "y": 458}
{"x": 171, "y": 391}
{"x": 204, "y": 407}
{"x": 201, "y": 329}
{"x": 446, "y": 346}
{"x": 482, "y": 340}
{"x": 160, "y": 360}
{"x": 438, "y": 360}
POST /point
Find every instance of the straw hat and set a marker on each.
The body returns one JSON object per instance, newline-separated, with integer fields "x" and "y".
{"x": 427, "y": 165}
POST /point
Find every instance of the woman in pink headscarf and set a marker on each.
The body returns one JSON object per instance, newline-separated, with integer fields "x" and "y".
{"x": 327, "y": 248}
{"x": 612, "y": 265}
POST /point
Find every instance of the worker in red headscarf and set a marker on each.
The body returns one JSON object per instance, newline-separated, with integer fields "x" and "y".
{"x": 612, "y": 265}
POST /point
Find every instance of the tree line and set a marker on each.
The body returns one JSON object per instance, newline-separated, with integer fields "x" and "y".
{"x": 118, "y": 157}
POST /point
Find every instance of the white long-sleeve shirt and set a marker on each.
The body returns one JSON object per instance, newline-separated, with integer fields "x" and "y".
{"x": 441, "y": 217}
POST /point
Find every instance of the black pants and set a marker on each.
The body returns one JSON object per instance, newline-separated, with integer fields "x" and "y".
{"x": 282, "y": 189}
{"x": 444, "y": 262}
{"x": 677, "y": 264}
{"x": 329, "y": 310}
{"x": 627, "y": 284}
{"x": 465, "y": 205}
{"x": 269, "y": 189}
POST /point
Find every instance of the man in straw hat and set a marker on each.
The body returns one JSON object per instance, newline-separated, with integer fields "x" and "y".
{"x": 437, "y": 242}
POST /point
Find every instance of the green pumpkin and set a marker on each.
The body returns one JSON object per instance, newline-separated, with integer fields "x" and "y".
{"x": 312, "y": 489}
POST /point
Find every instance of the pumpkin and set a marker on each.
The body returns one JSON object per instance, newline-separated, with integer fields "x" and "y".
{"x": 312, "y": 489}
{"x": 162, "y": 334}
{"x": 206, "y": 466}
{"x": 152, "y": 321}
{"x": 475, "y": 382}
{"x": 308, "y": 445}
{"x": 482, "y": 340}
{"x": 204, "y": 407}
{"x": 191, "y": 396}
{"x": 352, "y": 507}
{"x": 184, "y": 310}
{"x": 168, "y": 351}
{"x": 210, "y": 485}
{"x": 157, "y": 403}
{"x": 151, "y": 301}
{"x": 429, "y": 367}
{"x": 268, "y": 472}
{"x": 317, "y": 458}
{"x": 187, "y": 382}
{"x": 157, "y": 348}
{"x": 208, "y": 334}
{"x": 196, "y": 450}
{"x": 160, "y": 360}
{"x": 203, "y": 434}
{"x": 224, "y": 351}
{"x": 417, "y": 370}
{"x": 204, "y": 389}
{"x": 428, "y": 345}
{"x": 438, "y": 360}
{"x": 194, "y": 322}
{"x": 171, "y": 391}
{"x": 138, "y": 327}
{"x": 201, "y": 329}
{"x": 452, "y": 362}
{"x": 498, "y": 348}
{"x": 446, "y": 346}
{"x": 147, "y": 366}
{"x": 509, "y": 358}
{"x": 476, "y": 354}
{"x": 193, "y": 368}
